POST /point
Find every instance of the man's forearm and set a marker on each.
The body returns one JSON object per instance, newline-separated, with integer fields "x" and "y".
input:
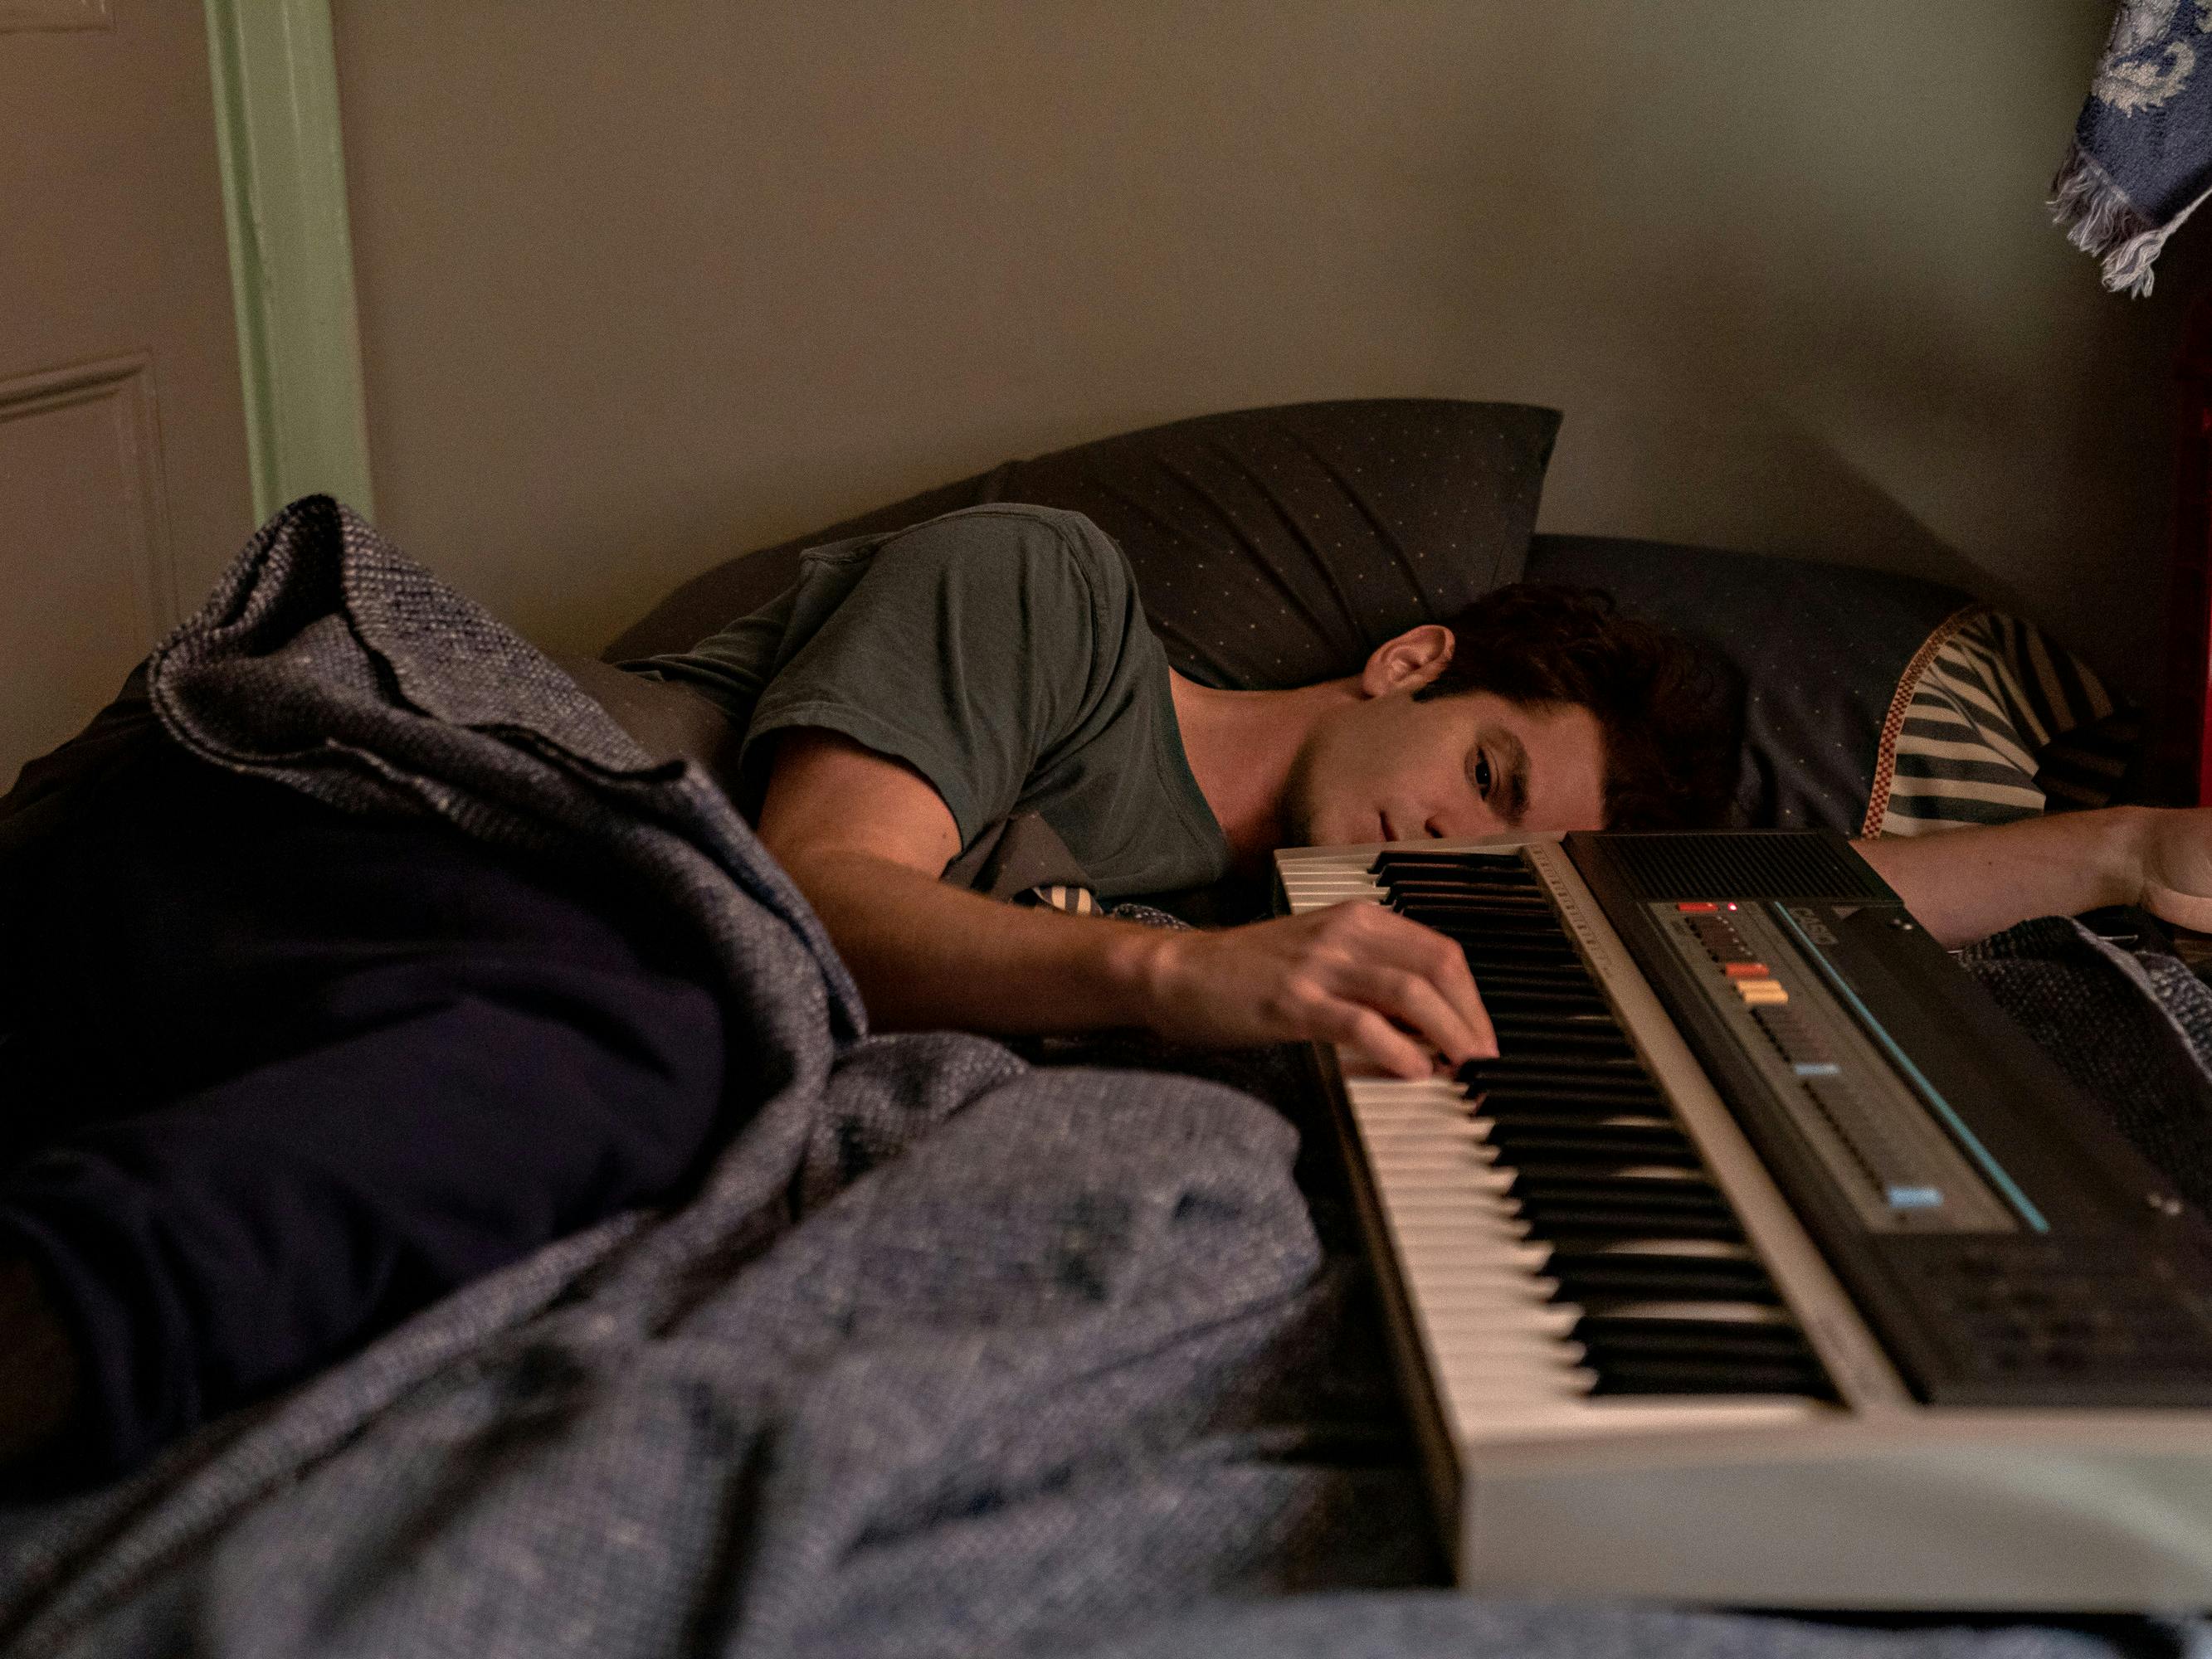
{"x": 1966, "y": 883}
{"x": 928, "y": 955}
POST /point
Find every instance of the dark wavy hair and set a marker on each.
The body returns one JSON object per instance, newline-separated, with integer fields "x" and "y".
{"x": 1670, "y": 709}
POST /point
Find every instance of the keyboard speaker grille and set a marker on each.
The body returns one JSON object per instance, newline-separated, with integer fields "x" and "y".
{"x": 1740, "y": 863}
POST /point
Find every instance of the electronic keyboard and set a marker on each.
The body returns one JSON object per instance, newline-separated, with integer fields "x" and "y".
{"x": 1769, "y": 1264}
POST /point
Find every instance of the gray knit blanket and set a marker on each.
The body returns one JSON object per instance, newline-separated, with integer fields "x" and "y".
{"x": 950, "y": 1354}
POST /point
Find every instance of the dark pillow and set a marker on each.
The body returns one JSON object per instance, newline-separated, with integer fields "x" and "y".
{"x": 1821, "y": 648}
{"x": 1272, "y": 547}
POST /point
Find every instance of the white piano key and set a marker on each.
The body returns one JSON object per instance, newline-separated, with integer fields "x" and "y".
{"x": 1505, "y": 1326}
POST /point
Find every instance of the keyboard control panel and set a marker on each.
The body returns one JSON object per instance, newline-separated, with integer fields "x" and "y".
{"x": 1883, "y": 1142}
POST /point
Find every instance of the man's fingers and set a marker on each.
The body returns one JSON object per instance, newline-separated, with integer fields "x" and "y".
{"x": 1367, "y": 1031}
{"x": 2190, "y": 910}
{"x": 1386, "y": 937}
{"x": 1411, "y": 1001}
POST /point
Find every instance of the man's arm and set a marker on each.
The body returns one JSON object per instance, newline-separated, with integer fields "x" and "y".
{"x": 865, "y": 838}
{"x": 1966, "y": 883}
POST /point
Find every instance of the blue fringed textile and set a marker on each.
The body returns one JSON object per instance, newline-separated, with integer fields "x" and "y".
{"x": 2141, "y": 155}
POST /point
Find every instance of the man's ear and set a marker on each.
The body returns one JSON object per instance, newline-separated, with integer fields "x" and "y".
{"x": 1408, "y": 662}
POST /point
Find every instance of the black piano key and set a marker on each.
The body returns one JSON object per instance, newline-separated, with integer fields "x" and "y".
{"x": 1582, "y": 1022}
{"x": 1567, "y": 1111}
{"x": 1496, "y": 922}
{"x": 1544, "y": 972}
{"x": 1537, "y": 945}
{"x": 1512, "y": 1002}
{"x": 1632, "y": 1143}
{"x": 1519, "y": 1032}
{"x": 1541, "y": 1112}
{"x": 1625, "y": 1123}
{"x": 1573, "y": 1051}
{"x": 1531, "y": 918}
{"x": 1646, "y": 1123}
{"x": 1522, "y": 1017}
{"x": 1580, "y": 1224}
{"x": 1519, "y": 904}
{"x": 1505, "y": 903}
{"x": 1589, "y": 1277}
{"x": 1493, "y": 971}
{"x": 1531, "y": 1018}
{"x": 1656, "y": 1195}
{"x": 1545, "y": 1173}
{"x": 1414, "y": 859}
{"x": 1630, "y": 1335}
{"x": 1475, "y": 909}
{"x": 1497, "y": 979}
{"x": 1564, "y": 1083}
{"x": 1550, "y": 979}
{"x": 1449, "y": 866}
{"x": 1629, "y": 1129}
{"x": 1532, "y": 1072}
{"x": 1591, "y": 1146}
{"x": 1506, "y": 944}
{"x": 1534, "y": 1051}
{"x": 1559, "y": 1221}
{"x": 1437, "y": 876}
{"x": 1444, "y": 884}
{"x": 1494, "y": 955}
{"x": 1683, "y": 1377}
{"x": 1553, "y": 1149}
{"x": 1564, "y": 1066}
{"x": 1517, "y": 1037}
{"x": 1504, "y": 955}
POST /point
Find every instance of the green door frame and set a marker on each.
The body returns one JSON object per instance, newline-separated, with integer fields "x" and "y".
{"x": 275, "y": 71}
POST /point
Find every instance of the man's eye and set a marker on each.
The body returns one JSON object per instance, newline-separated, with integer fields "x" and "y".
{"x": 1482, "y": 774}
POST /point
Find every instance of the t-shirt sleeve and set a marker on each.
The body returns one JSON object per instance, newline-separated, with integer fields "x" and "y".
{"x": 967, "y": 649}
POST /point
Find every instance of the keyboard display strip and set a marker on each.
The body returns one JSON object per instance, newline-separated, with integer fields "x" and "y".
{"x": 1659, "y": 1290}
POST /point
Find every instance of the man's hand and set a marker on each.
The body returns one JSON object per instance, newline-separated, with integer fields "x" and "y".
{"x": 2176, "y": 862}
{"x": 1353, "y": 974}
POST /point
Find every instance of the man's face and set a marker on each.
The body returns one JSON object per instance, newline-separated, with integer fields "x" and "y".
{"x": 1388, "y": 767}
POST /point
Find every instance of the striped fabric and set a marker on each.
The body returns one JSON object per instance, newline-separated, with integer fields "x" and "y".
{"x": 1992, "y": 722}
{"x": 1058, "y": 896}
{"x": 1083, "y": 902}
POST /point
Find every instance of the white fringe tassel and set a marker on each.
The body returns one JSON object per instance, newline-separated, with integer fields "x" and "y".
{"x": 2099, "y": 219}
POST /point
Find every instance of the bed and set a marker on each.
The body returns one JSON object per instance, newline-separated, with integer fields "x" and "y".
{"x": 956, "y": 1352}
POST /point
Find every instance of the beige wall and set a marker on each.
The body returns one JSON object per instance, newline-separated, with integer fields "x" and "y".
{"x": 642, "y": 285}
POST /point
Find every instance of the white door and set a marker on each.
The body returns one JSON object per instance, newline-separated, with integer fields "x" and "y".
{"x": 123, "y": 484}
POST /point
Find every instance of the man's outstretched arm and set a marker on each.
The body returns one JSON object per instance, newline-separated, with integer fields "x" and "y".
{"x": 1966, "y": 883}
{"x": 865, "y": 838}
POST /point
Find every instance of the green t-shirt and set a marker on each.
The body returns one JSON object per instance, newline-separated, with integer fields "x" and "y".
{"x": 1002, "y": 653}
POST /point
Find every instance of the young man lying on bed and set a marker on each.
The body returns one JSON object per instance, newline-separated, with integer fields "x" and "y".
{"x": 910, "y": 694}
{"x": 278, "y": 1076}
